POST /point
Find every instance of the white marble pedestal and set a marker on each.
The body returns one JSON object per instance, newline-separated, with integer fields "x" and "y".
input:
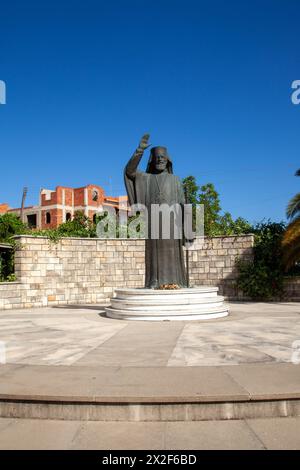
{"x": 195, "y": 303}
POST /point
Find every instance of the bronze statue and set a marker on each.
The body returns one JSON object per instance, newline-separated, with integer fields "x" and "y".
{"x": 164, "y": 257}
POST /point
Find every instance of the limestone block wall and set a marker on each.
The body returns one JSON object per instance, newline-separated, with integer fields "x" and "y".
{"x": 212, "y": 262}
{"x": 75, "y": 270}
{"x": 12, "y": 295}
{"x": 86, "y": 270}
{"x": 292, "y": 289}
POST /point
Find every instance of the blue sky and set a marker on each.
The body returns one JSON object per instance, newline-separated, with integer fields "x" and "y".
{"x": 211, "y": 80}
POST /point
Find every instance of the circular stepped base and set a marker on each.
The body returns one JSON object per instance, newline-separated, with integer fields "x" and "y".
{"x": 195, "y": 303}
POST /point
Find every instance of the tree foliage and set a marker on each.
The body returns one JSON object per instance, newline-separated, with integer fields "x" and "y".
{"x": 215, "y": 222}
{"x": 191, "y": 189}
{"x": 291, "y": 239}
{"x": 262, "y": 277}
{"x": 10, "y": 225}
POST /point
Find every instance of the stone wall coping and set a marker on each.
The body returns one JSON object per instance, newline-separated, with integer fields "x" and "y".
{"x": 10, "y": 283}
{"x": 244, "y": 235}
{"x": 16, "y": 237}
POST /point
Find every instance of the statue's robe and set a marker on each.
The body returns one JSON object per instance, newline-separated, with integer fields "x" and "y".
{"x": 164, "y": 258}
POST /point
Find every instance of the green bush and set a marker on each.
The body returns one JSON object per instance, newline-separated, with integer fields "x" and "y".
{"x": 79, "y": 226}
{"x": 262, "y": 277}
{"x": 7, "y": 266}
{"x": 10, "y": 225}
{"x": 215, "y": 223}
{"x": 82, "y": 226}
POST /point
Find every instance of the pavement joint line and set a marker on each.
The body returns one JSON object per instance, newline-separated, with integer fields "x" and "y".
{"x": 175, "y": 345}
{"x": 235, "y": 381}
{"x": 15, "y": 366}
{"x": 164, "y": 433}
{"x": 255, "y": 434}
{"x": 80, "y": 427}
{"x": 98, "y": 346}
{"x": 10, "y": 422}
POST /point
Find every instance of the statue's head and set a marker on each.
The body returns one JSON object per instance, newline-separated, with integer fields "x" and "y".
{"x": 159, "y": 161}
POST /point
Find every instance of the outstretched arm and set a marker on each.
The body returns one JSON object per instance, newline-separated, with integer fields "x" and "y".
{"x": 133, "y": 163}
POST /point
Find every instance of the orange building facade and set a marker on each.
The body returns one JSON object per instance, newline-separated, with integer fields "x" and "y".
{"x": 59, "y": 205}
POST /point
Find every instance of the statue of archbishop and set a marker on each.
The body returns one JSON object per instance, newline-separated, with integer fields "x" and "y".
{"x": 163, "y": 256}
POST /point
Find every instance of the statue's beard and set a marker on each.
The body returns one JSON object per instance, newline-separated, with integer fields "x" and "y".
{"x": 160, "y": 168}
{"x": 151, "y": 168}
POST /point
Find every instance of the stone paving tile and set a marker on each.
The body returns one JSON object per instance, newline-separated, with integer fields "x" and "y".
{"x": 281, "y": 433}
{"x": 249, "y": 339}
{"x": 277, "y": 433}
{"x": 265, "y": 308}
{"x": 211, "y": 435}
{"x": 111, "y": 435}
{"x": 7, "y": 368}
{"x": 54, "y": 340}
{"x": 126, "y": 383}
{"x": 55, "y": 381}
{"x": 70, "y": 335}
{"x": 4, "y": 423}
{"x": 180, "y": 383}
{"x": 35, "y": 434}
{"x": 139, "y": 344}
{"x": 266, "y": 380}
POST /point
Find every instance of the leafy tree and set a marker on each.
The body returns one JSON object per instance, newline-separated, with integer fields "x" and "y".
{"x": 10, "y": 225}
{"x": 79, "y": 226}
{"x": 262, "y": 277}
{"x": 190, "y": 189}
{"x": 215, "y": 223}
{"x": 229, "y": 226}
{"x": 291, "y": 239}
{"x": 211, "y": 202}
{"x": 242, "y": 226}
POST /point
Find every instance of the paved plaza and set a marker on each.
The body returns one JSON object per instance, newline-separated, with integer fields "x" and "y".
{"x": 255, "y": 434}
{"x": 82, "y": 335}
{"x": 74, "y": 379}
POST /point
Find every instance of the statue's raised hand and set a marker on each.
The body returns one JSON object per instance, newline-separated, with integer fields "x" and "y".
{"x": 144, "y": 142}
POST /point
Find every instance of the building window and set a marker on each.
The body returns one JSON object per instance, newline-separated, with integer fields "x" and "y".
{"x": 31, "y": 220}
{"x": 48, "y": 218}
{"x": 68, "y": 216}
{"x": 95, "y": 195}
